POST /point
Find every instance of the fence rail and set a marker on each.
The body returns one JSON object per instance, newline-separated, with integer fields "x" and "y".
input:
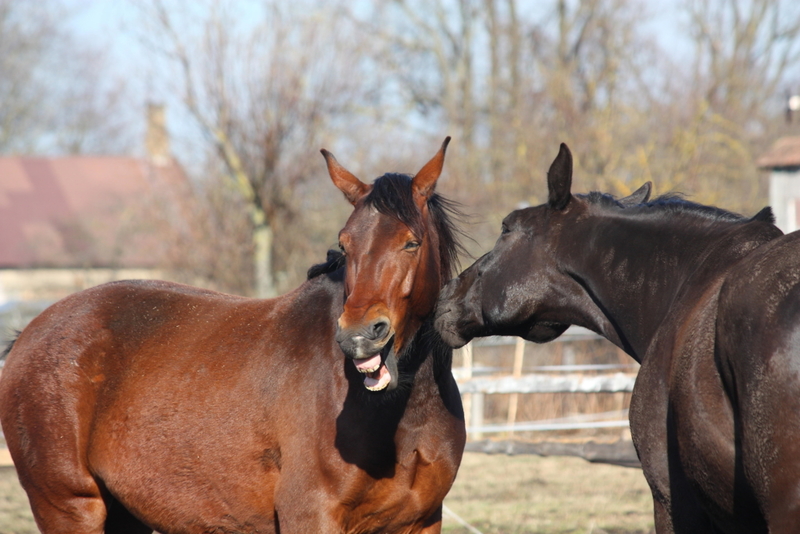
{"x": 540, "y": 383}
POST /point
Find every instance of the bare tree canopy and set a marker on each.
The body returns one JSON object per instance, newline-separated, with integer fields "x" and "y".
{"x": 57, "y": 94}
{"x": 686, "y": 95}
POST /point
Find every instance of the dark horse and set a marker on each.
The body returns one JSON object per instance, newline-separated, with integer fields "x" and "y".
{"x": 140, "y": 406}
{"x": 707, "y": 301}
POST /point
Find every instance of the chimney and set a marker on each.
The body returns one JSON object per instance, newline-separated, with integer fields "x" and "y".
{"x": 157, "y": 139}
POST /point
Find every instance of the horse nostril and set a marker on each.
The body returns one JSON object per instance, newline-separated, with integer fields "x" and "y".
{"x": 379, "y": 329}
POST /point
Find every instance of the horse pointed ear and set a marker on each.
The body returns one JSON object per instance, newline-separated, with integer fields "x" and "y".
{"x": 639, "y": 196}
{"x": 425, "y": 180}
{"x": 559, "y": 179}
{"x": 352, "y": 187}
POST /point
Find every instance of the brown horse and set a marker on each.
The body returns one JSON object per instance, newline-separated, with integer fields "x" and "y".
{"x": 706, "y": 300}
{"x": 140, "y": 406}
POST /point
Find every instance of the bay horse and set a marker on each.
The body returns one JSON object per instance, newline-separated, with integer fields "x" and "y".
{"x": 706, "y": 300}
{"x": 146, "y": 405}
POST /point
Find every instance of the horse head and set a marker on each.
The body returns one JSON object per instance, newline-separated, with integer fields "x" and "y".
{"x": 521, "y": 287}
{"x": 397, "y": 254}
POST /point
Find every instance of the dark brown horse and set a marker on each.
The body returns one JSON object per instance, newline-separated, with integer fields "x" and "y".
{"x": 707, "y": 301}
{"x": 140, "y": 406}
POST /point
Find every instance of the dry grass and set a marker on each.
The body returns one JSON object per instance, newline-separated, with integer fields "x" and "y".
{"x": 496, "y": 494}
{"x": 530, "y": 494}
{"x": 15, "y": 514}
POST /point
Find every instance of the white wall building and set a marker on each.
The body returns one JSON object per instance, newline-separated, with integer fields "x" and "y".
{"x": 783, "y": 162}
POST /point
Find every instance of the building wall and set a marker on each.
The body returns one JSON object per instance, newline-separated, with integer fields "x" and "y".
{"x": 784, "y": 197}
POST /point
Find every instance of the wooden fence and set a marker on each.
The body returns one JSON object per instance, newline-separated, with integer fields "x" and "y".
{"x": 566, "y": 378}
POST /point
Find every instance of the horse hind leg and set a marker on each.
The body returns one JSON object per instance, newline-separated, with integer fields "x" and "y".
{"x": 64, "y": 511}
{"x": 64, "y": 496}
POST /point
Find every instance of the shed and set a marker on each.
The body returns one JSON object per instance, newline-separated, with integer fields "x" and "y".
{"x": 783, "y": 162}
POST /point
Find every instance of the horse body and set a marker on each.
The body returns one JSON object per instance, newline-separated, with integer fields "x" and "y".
{"x": 140, "y": 406}
{"x": 707, "y": 301}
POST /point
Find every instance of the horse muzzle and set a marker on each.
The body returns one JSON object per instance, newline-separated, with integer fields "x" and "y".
{"x": 455, "y": 321}
{"x": 369, "y": 348}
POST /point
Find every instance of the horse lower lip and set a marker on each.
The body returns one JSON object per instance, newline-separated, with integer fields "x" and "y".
{"x": 378, "y": 380}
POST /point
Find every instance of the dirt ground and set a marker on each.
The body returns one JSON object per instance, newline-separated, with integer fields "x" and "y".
{"x": 493, "y": 493}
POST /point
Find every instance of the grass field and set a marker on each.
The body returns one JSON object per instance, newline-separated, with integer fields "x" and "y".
{"x": 495, "y": 494}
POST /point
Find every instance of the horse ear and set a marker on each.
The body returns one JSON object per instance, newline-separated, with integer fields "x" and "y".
{"x": 425, "y": 180}
{"x": 559, "y": 179}
{"x": 352, "y": 187}
{"x": 637, "y": 197}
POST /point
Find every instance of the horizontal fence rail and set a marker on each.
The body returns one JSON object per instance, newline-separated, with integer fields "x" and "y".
{"x": 539, "y": 383}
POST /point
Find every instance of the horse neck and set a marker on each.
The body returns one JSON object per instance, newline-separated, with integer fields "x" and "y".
{"x": 636, "y": 271}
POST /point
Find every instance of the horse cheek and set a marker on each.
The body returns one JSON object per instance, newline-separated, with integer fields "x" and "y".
{"x": 408, "y": 283}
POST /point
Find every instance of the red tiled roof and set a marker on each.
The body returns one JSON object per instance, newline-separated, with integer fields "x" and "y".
{"x": 79, "y": 211}
{"x": 785, "y": 152}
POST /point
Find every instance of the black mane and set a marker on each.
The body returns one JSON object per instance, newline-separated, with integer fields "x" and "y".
{"x": 9, "y": 346}
{"x": 333, "y": 262}
{"x": 675, "y": 203}
{"x": 391, "y": 195}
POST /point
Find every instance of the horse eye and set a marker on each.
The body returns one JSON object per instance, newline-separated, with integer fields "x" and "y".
{"x": 341, "y": 247}
{"x": 504, "y": 229}
{"x": 411, "y": 245}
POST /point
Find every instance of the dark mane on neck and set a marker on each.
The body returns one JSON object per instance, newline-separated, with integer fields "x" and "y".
{"x": 391, "y": 195}
{"x": 670, "y": 203}
{"x": 333, "y": 262}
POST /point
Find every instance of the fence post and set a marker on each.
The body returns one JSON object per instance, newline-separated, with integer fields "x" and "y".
{"x": 473, "y": 402}
{"x": 477, "y": 414}
{"x": 513, "y": 402}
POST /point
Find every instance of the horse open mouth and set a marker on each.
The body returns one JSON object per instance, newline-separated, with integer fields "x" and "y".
{"x": 377, "y": 375}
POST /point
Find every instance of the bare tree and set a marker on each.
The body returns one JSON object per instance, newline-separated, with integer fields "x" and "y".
{"x": 263, "y": 97}
{"x": 53, "y": 87}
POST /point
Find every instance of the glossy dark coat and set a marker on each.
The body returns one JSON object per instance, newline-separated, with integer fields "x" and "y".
{"x": 707, "y": 301}
{"x": 140, "y": 406}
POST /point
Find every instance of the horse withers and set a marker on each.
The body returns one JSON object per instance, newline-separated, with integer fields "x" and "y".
{"x": 706, "y": 300}
{"x": 140, "y": 406}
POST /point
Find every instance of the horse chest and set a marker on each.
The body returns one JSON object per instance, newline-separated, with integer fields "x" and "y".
{"x": 401, "y": 503}
{"x": 395, "y": 486}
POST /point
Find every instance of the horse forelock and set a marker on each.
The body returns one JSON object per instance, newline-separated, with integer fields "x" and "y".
{"x": 392, "y": 195}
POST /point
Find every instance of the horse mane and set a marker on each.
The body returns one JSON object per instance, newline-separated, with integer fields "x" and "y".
{"x": 9, "y": 346}
{"x": 392, "y": 195}
{"x": 333, "y": 262}
{"x": 675, "y": 203}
